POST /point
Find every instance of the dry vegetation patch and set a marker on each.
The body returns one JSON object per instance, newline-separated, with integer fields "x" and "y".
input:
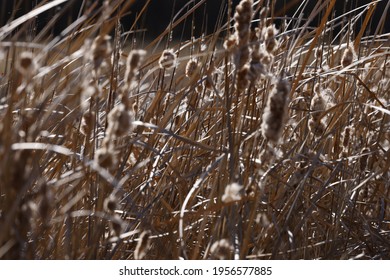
{"x": 254, "y": 142}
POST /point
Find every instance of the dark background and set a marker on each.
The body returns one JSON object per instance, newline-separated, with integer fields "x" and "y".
{"x": 159, "y": 13}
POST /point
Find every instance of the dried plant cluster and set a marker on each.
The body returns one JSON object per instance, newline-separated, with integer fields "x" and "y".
{"x": 258, "y": 141}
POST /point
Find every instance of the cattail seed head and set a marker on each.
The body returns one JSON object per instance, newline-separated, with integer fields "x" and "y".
{"x": 348, "y": 131}
{"x": 275, "y": 112}
{"x": 26, "y": 65}
{"x": 317, "y": 127}
{"x": 348, "y": 56}
{"x": 243, "y": 18}
{"x": 142, "y": 245}
{"x": 230, "y": 43}
{"x": 270, "y": 41}
{"x": 106, "y": 156}
{"x": 87, "y": 123}
{"x": 101, "y": 51}
{"x": 167, "y": 59}
{"x": 221, "y": 250}
{"x": 191, "y": 68}
{"x": 232, "y": 193}
{"x": 133, "y": 62}
{"x": 318, "y": 106}
{"x": 120, "y": 121}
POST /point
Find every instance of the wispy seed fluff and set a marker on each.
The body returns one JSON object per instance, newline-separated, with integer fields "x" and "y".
{"x": 275, "y": 112}
{"x": 348, "y": 56}
{"x": 232, "y": 193}
{"x": 167, "y": 59}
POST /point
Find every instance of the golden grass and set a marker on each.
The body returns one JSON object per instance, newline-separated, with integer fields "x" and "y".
{"x": 272, "y": 144}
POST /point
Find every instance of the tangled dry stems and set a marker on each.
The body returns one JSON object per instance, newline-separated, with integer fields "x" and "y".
{"x": 272, "y": 146}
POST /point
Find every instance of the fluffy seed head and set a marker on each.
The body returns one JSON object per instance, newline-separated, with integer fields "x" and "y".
{"x": 275, "y": 112}
{"x": 27, "y": 65}
{"x": 346, "y": 136}
{"x": 106, "y": 156}
{"x": 243, "y": 18}
{"x": 348, "y": 56}
{"x": 318, "y": 106}
{"x": 221, "y": 250}
{"x": 133, "y": 62}
{"x": 230, "y": 43}
{"x": 232, "y": 193}
{"x": 167, "y": 59}
{"x": 101, "y": 50}
{"x": 87, "y": 123}
{"x": 317, "y": 127}
{"x": 120, "y": 121}
{"x": 191, "y": 67}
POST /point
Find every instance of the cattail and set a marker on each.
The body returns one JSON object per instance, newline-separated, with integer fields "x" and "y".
{"x": 101, "y": 51}
{"x": 87, "y": 123}
{"x": 346, "y": 136}
{"x": 243, "y": 18}
{"x": 26, "y": 65}
{"x": 348, "y": 56}
{"x": 221, "y": 250}
{"x": 232, "y": 193}
{"x": 257, "y": 67}
{"x": 270, "y": 41}
{"x": 106, "y": 155}
{"x": 120, "y": 121}
{"x": 230, "y": 43}
{"x": 318, "y": 106}
{"x": 191, "y": 68}
{"x": 263, "y": 17}
{"x": 317, "y": 127}
{"x": 142, "y": 245}
{"x": 167, "y": 59}
{"x": 275, "y": 112}
{"x": 133, "y": 63}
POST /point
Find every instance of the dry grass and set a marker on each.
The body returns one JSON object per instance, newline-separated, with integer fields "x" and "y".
{"x": 276, "y": 145}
